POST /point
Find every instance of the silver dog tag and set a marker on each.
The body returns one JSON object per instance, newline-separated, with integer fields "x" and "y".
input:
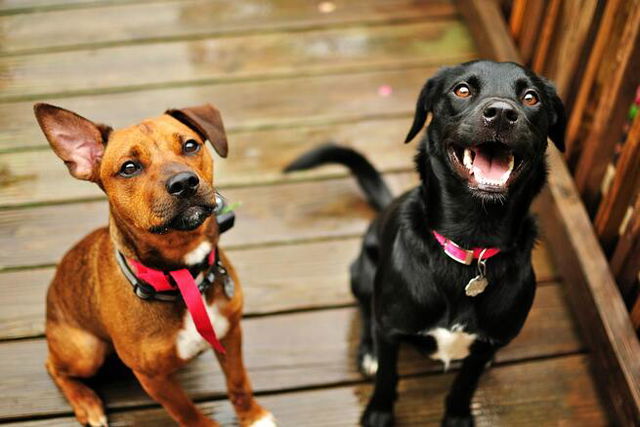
{"x": 229, "y": 287}
{"x": 476, "y": 286}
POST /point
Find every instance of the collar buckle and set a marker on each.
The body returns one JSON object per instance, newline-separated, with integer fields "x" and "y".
{"x": 458, "y": 253}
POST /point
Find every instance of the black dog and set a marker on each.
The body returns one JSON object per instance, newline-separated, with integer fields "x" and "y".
{"x": 481, "y": 164}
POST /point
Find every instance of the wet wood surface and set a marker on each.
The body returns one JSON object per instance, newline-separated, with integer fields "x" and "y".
{"x": 310, "y": 349}
{"x": 569, "y": 400}
{"x": 287, "y": 76}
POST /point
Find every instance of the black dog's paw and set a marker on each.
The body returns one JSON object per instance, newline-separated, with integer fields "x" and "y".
{"x": 458, "y": 421}
{"x": 367, "y": 364}
{"x": 374, "y": 417}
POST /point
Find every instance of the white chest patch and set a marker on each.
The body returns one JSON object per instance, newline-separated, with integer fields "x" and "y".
{"x": 189, "y": 343}
{"x": 453, "y": 344}
{"x": 197, "y": 255}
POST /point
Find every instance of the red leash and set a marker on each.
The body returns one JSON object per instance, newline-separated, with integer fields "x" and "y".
{"x": 191, "y": 295}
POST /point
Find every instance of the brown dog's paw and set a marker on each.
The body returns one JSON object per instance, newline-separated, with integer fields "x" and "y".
{"x": 264, "y": 419}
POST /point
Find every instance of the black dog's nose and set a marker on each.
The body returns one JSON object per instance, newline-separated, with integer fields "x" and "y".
{"x": 183, "y": 184}
{"x": 498, "y": 111}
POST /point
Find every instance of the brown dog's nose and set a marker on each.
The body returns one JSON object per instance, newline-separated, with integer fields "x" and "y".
{"x": 498, "y": 111}
{"x": 183, "y": 184}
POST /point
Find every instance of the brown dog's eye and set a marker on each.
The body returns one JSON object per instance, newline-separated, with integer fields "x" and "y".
{"x": 129, "y": 169}
{"x": 462, "y": 91}
{"x": 190, "y": 146}
{"x": 530, "y": 98}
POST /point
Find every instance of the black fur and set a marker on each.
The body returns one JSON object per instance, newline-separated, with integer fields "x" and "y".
{"x": 404, "y": 283}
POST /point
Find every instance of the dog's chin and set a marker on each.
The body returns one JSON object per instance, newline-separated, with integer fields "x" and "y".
{"x": 488, "y": 169}
{"x": 188, "y": 219}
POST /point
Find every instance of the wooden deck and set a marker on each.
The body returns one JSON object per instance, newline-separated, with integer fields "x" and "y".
{"x": 286, "y": 77}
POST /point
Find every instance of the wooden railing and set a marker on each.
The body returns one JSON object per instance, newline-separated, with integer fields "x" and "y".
{"x": 590, "y": 210}
{"x": 591, "y": 50}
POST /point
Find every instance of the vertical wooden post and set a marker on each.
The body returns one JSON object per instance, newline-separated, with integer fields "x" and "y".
{"x": 588, "y": 79}
{"x": 624, "y": 187}
{"x": 606, "y": 128}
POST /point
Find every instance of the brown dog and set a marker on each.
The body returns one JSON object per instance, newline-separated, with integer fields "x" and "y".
{"x": 158, "y": 178}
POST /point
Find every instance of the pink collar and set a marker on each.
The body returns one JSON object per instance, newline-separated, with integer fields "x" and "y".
{"x": 182, "y": 279}
{"x": 462, "y": 255}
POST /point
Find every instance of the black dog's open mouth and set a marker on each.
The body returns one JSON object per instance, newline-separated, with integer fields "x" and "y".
{"x": 187, "y": 220}
{"x": 490, "y": 166}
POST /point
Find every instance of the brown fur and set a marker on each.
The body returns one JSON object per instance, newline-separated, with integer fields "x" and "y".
{"x": 91, "y": 309}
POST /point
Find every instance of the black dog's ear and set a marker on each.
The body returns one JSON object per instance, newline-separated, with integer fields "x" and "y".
{"x": 558, "y": 116}
{"x": 424, "y": 104}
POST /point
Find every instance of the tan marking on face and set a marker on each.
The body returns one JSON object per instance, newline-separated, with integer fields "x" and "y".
{"x": 156, "y": 144}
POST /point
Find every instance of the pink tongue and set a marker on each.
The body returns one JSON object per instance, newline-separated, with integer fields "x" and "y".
{"x": 491, "y": 167}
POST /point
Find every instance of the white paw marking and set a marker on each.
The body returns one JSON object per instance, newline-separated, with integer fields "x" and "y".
{"x": 189, "y": 342}
{"x": 369, "y": 364}
{"x": 197, "y": 255}
{"x": 266, "y": 421}
{"x": 452, "y": 344}
{"x": 101, "y": 422}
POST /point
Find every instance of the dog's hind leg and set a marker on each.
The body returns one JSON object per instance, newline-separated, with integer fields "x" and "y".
{"x": 458, "y": 401}
{"x": 362, "y": 274}
{"x": 73, "y": 354}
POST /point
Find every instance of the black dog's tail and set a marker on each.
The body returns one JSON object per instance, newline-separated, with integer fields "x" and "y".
{"x": 375, "y": 189}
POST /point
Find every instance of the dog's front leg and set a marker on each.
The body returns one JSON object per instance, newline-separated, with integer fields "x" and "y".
{"x": 166, "y": 390}
{"x": 249, "y": 412}
{"x": 379, "y": 411}
{"x": 458, "y": 401}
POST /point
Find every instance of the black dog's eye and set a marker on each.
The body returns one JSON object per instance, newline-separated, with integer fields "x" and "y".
{"x": 190, "y": 146}
{"x": 462, "y": 90}
{"x": 530, "y": 98}
{"x": 130, "y": 169}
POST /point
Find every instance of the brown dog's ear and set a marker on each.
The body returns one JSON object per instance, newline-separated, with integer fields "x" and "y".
{"x": 207, "y": 122}
{"x": 77, "y": 141}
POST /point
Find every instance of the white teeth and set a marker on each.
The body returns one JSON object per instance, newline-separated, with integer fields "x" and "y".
{"x": 468, "y": 161}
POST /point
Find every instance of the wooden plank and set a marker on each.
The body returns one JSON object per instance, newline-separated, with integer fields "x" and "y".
{"x": 283, "y": 352}
{"x": 575, "y": 22}
{"x": 607, "y": 127}
{"x": 557, "y": 392}
{"x": 583, "y": 98}
{"x": 623, "y": 190}
{"x": 280, "y": 213}
{"x": 29, "y": 6}
{"x": 546, "y": 34}
{"x": 530, "y": 32}
{"x": 276, "y": 279}
{"x": 244, "y": 105}
{"x": 592, "y": 291}
{"x": 255, "y": 158}
{"x": 248, "y": 57}
{"x": 516, "y": 18}
{"x": 626, "y": 257}
{"x": 114, "y": 23}
{"x": 493, "y": 40}
{"x": 635, "y": 314}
